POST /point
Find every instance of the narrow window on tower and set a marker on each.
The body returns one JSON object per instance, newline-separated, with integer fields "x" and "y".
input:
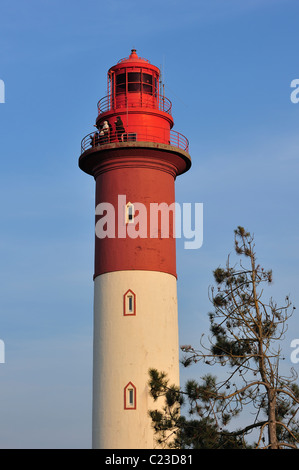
{"x": 130, "y": 212}
{"x": 129, "y": 303}
{"x": 130, "y": 306}
{"x": 130, "y": 397}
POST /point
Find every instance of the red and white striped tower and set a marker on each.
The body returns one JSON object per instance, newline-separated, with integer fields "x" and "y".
{"x": 135, "y": 282}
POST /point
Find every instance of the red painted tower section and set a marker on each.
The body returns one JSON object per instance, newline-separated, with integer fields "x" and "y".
{"x": 134, "y": 157}
{"x": 145, "y": 156}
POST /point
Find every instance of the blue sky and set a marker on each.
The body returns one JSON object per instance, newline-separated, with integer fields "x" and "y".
{"x": 227, "y": 68}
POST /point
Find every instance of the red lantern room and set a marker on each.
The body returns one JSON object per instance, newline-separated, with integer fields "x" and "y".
{"x": 134, "y": 109}
{"x": 134, "y": 100}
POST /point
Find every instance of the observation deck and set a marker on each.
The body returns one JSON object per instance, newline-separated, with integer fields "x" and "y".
{"x": 94, "y": 140}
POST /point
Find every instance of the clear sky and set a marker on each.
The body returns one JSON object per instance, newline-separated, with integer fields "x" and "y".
{"x": 228, "y": 66}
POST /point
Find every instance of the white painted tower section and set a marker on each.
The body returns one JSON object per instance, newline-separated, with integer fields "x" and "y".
{"x": 130, "y": 337}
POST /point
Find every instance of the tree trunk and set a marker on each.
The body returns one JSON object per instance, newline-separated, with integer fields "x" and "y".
{"x": 273, "y": 443}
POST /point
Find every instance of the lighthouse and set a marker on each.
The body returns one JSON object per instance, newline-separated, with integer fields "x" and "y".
{"x": 134, "y": 156}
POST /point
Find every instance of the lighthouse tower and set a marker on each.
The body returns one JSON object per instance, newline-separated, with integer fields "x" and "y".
{"x": 134, "y": 156}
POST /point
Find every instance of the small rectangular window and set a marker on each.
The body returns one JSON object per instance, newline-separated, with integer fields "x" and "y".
{"x": 130, "y": 212}
{"x": 129, "y": 303}
{"x": 134, "y": 81}
{"x": 147, "y": 85}
{"x": 147, "y": 78}
{"x": 120, "y": 79}
{"x": 130, "y": 397}
{"x": 134, "y": 77}
{"x": 120, "y": 83}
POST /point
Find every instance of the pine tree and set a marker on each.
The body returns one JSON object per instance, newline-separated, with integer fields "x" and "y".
{"x": 246, "y": 333}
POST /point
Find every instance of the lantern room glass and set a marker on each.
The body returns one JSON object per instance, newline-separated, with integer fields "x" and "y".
{"x": 136, "y": 81}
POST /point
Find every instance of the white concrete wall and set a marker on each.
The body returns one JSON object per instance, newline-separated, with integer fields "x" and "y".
{"x": 125, "y": 347}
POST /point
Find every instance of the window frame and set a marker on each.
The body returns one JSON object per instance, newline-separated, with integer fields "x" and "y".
{"x": 128, "y": 404}
{"x": 129, "y": 206}
{"x": 136, "y": 80}
{"x": 129, "y": 296}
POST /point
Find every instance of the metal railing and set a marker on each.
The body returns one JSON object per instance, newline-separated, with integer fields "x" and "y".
{"x": 144, "y": 134}
{"x": 144, "y": 100}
